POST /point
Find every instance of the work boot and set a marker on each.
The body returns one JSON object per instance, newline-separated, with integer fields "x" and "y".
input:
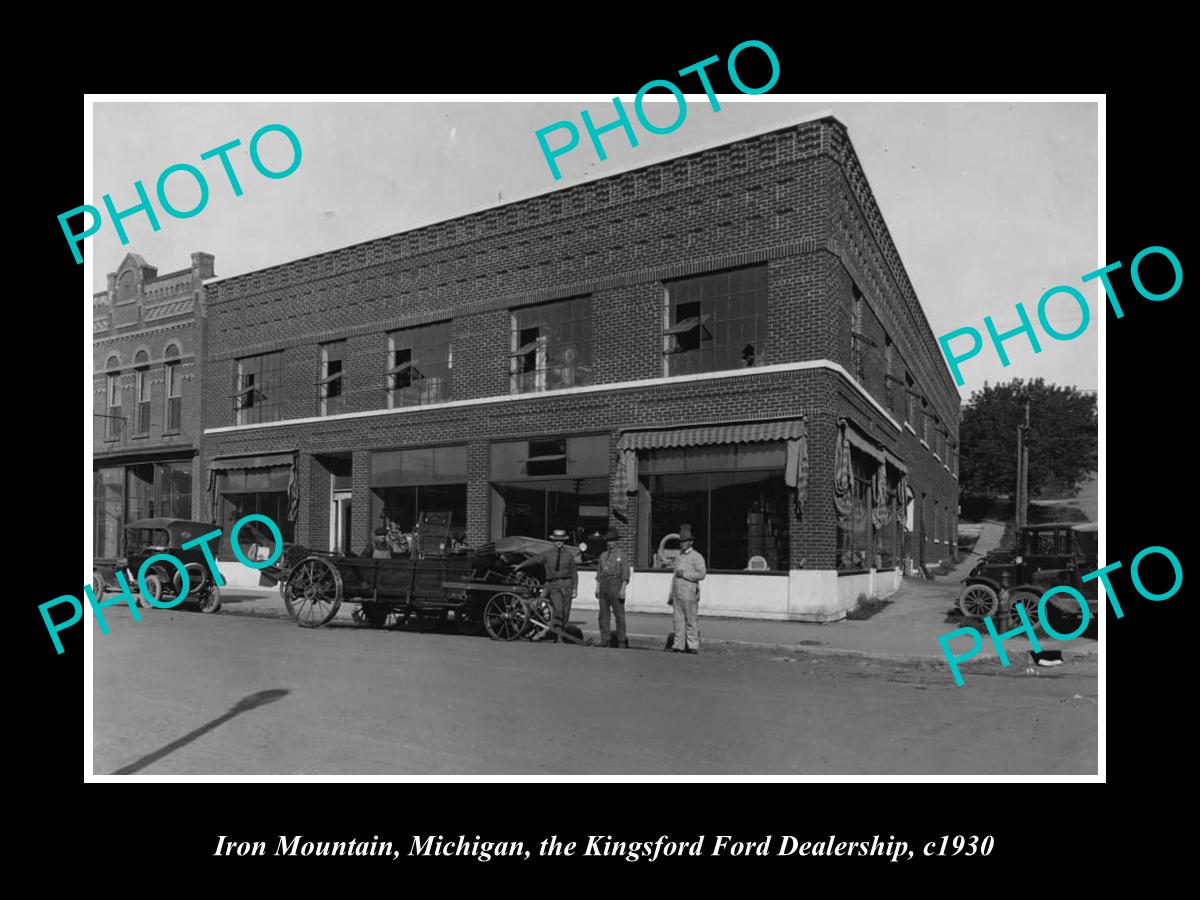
{"x": 624, "y": 643}
{"x": 612, "y": 642}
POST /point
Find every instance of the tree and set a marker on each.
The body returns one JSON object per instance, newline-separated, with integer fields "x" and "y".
{"x": 1063, "y": 437}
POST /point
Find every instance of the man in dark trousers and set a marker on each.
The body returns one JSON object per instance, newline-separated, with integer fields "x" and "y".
{"x": 612, "y": 578}
{"x": 562, "y": 581}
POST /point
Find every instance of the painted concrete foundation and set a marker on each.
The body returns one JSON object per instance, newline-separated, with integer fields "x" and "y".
{"x": 802, "y": 595}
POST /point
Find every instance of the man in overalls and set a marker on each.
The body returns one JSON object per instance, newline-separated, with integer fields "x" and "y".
{"x": 612, "y": 578}
{"x": 562, "y": 581}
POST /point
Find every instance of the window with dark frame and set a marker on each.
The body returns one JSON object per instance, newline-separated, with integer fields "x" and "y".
{"x": 258, "y": 388}
{"x": 547, "y": 483}
{"x": 551, "y": 346}
{"x": 331, "y": 384}
{"x": 858, "y": 339}
{"x": 420, "y": 365}
{"x": 141, "y": 364}
{"x": 112, "y": 389}
{"x": 716, "y": 322}
{"x": 174, "y": 390}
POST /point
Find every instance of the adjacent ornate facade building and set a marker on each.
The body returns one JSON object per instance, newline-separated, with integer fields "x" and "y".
{"x": 147, "y": 351}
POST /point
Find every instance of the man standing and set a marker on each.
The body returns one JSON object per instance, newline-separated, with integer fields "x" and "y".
{"x": 612, "y": 578}
{"x": 690, "y": 570}
{"x": 562, "y": 581}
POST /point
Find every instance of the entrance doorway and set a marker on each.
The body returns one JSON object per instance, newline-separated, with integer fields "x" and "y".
{"x": 339, "y": 522}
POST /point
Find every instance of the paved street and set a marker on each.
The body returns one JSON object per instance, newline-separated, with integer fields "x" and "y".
{"x": 185, "y": 693}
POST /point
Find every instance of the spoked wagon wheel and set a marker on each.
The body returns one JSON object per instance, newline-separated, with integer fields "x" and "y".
{"x": 468, "y": 621}
{"x": 505, "y": 616}
{"x": 541, "y": 616}
{"x": 314, "y": 592}
{"x": 98, "y": 585}
{"x": 1029, "y": 600}
{"x": 978, "y": 600}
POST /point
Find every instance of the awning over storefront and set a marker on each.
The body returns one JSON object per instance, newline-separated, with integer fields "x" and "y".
{"x": 259, "y": 461}
{"x": 741, "y": 433}
{"x": 895, "y": 463}
{"x": 791, "y": 430}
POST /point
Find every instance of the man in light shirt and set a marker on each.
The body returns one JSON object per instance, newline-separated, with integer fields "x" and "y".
{"x": 690, "y": 570}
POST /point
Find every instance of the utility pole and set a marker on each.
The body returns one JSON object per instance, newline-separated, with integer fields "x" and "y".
{"x": 1023, "y": 471}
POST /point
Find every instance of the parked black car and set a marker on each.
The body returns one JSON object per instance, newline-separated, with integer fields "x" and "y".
{"x": 1045, "y": 556}
{"x": 144, "y": 538}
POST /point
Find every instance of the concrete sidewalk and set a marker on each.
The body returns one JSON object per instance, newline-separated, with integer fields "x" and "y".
{"x": 906, "y": 630}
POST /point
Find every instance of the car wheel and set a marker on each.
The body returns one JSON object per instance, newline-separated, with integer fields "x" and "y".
{"x": 978, "y": 600}
{"x": 211, "y": 601}
{"x": 1029, "y": 600}
{"x": 155, "y": 585}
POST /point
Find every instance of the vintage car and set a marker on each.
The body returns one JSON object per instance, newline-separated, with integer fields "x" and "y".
{"x": 144, "y": 538}
{"x": 1044, "y": 556}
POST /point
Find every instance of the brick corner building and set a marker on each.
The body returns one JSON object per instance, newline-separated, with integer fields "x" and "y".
{"x": 726, "y": 339}
{"x": 146, "y": 423}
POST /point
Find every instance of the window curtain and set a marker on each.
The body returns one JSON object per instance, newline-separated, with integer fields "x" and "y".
{"x": 795, "y": 472}
{"x": 626, "y": 482}
{"x": 881, "y": 512}
{"x": 843, "y": 482}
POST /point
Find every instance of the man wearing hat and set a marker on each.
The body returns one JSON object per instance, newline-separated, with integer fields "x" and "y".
{"x": 690, "y": 570}
{"x": 562, "y": 580}
{"x": 612, "y": 577}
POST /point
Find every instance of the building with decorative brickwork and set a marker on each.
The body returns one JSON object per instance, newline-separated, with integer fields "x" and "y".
{"x": 726, "y": 339}
{"x": 146, "y": 396}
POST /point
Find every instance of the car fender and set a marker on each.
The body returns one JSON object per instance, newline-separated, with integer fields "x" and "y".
{"x": 1063, "y": 602}
{"x": 979, "y": 579}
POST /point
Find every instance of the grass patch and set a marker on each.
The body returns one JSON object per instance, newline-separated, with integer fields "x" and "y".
{"x": 865, "y": 607}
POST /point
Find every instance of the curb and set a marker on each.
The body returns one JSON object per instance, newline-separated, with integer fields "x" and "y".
{"x": 656, "y": 641}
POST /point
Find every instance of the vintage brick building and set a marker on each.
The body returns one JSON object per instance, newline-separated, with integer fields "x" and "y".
{"x": 145, "y": 396}
{"x": 727, "y": 339}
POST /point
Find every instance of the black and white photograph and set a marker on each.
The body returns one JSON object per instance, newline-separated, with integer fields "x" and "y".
{"x": 702, "y": 435}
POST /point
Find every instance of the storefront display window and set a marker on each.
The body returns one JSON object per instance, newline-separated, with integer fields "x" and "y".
{"x": 733, "y": 496}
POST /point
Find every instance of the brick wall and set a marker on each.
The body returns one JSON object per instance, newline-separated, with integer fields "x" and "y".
{"x": 794, "y": 200}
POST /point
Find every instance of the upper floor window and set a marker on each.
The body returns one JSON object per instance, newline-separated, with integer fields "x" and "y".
{"x": 112, "y": 394}
{"x": 258, "y": 390}
{"x": 858, "y": 339}
{"x": 551, "y": 346}
{"x": 331, "y": 385}
{"x": 174, "y": 389}
{"x": 716, "y": 322}
{"x": 420, "y": 364}
{"x": 910, "y": 405}
{"x": 141, "y": 368}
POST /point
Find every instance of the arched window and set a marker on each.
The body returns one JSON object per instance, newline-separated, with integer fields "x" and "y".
{"x": 112, "y": 393}
{"x": 141, "y": 367}
{"x": 174, "y": 389}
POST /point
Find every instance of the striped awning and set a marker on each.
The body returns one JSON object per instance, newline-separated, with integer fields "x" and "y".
{"x": 742, "y": 433}
{"x": 261, "y": 461}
